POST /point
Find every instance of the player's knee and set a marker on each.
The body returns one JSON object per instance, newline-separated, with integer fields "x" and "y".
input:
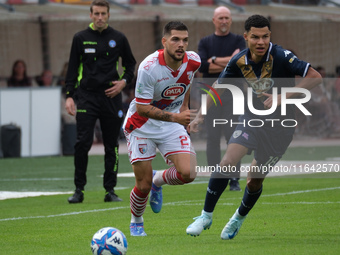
{"x": 254, "y": 184}
{"x": 188, "y": 177}
{"x": 144, "y": 187}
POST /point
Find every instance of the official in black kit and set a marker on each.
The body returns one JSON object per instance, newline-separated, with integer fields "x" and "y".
{"x": 93, "y": 87}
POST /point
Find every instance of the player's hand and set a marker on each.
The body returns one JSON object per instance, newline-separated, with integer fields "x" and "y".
{"x": 195, "y": 123}
{"x": 185, "y": 117}
{"x": 117, "y": 87}
{"x": 269, "y": 101}
{"x": 70, "y": 106}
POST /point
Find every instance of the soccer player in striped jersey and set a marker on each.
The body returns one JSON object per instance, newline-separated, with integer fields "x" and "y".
{"x": 157, "y": 118}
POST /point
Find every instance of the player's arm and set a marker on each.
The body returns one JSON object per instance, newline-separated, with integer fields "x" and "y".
{"x": 199, "y": 117}
{"x": 150, "y": 111}
{"x": 311, "y": 80}
{"x": 185, "y": 105}
{"x": 220, "y": 62}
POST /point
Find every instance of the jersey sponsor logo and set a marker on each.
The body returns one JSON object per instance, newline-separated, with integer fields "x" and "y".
{"x": 292, "y": 59}
{"x": 142, "y": 148}
{"x": 112, "y": 43}
{"x": 174, "y": 91}
{"x": 90, "y": 50}
{"x": 89, "y": 43}
{"x": 168, "y": 104}
{"x": 287, "y": 52}
{"x": 163, "y": 79}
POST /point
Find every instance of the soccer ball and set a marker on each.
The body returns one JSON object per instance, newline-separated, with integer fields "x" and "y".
{"x": 109, "y": 241}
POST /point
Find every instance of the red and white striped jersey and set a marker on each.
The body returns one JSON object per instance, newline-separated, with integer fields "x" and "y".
{"x": 159, "y": 85}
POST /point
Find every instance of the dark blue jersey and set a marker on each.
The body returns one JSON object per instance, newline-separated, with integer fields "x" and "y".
{"x": 277, "y": 69}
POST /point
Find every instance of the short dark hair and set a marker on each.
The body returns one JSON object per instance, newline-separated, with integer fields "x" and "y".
{"x": 103, "y": 3}
{"x": 257, "y": 21}
{"x": 174, "y": 25}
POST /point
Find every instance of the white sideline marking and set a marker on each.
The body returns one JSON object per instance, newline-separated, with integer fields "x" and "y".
{"x": 188, "y": 203}
{"x": 19, "y": 194}
{"x": 16, "y": 194}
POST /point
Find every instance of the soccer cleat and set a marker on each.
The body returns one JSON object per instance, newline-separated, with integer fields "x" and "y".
{"x": 201, "y": 223}
{"x": 77, "y": 197}
{"x": 156, "y": 197}
{"x": 111, "y": 197}
{"x": 233, "y": 226}
{"x": 234, "y": 185}
{"x": 137, "y": 229}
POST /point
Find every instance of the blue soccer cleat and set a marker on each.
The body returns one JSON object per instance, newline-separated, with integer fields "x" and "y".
{"x": 137, "y": 229}
{"x": 156, "y": 197}
{"x": 233, "y": 226}
{"x": 201, "y": 223}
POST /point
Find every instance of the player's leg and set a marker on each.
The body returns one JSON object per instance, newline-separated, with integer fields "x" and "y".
{"x": 217, "y": 184}
{"x": 176, "y": 149}
{"x": 228, "y": 132}
{"x": 141, "y": 152}
{"x": 252, "y": 193}
{"x": 139, "y": 196}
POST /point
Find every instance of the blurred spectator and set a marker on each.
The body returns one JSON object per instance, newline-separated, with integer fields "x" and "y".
{"x": 19, "y": 76}
{"x": 45, "y": 79}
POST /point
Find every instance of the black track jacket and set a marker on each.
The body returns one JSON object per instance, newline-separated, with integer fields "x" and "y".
{"x": 94, "y": 59}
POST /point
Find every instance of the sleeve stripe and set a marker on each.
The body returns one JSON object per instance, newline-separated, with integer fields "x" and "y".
{"x": 306, "y": 70}
{"x": 143, "y": 101}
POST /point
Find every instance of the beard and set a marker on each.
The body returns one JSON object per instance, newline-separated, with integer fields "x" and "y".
{"x": 224, "y": 29}
{"x": 173, "y": 56}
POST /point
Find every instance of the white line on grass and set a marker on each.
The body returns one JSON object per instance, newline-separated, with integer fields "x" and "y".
{"x": 188, "y": 203}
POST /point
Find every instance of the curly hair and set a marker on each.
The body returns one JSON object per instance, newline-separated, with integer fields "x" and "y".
{"x": 257, "y": 21}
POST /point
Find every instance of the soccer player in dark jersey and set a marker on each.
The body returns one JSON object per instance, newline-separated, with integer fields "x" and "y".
{"x": 269, "y": 72}
{"x": 215, "y": 51}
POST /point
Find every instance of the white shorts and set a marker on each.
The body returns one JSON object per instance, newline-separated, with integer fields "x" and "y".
{"x": 142, "y": 149}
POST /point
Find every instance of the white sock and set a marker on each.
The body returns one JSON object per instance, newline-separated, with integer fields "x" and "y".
{"x": 158, "y": 178}
{"x": 209, "y": 214}
{"x": 135, "y": 219}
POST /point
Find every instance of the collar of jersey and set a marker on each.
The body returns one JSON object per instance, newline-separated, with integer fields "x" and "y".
{"x": 267, "y": 57}
{"x": 162, "y": 59}
{"x": 91, "y": 26}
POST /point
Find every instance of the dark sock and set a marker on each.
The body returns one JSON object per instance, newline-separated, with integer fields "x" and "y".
{"x": 216, "y": 186}
{"x": 248, "y": 201}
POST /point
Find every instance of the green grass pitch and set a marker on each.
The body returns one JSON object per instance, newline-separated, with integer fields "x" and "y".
{"x": 295, "y": 215}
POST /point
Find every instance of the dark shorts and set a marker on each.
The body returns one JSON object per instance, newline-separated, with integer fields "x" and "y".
{"x": 269, "y": 144}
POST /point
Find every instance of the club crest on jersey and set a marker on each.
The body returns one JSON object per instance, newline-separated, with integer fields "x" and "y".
{"x": 142, "y": 148}
{"x": 261, "y": 85}
{"x": 174, "y": 91}
{"x": 112, "y": 43}
{"x": 190, "y": 75}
